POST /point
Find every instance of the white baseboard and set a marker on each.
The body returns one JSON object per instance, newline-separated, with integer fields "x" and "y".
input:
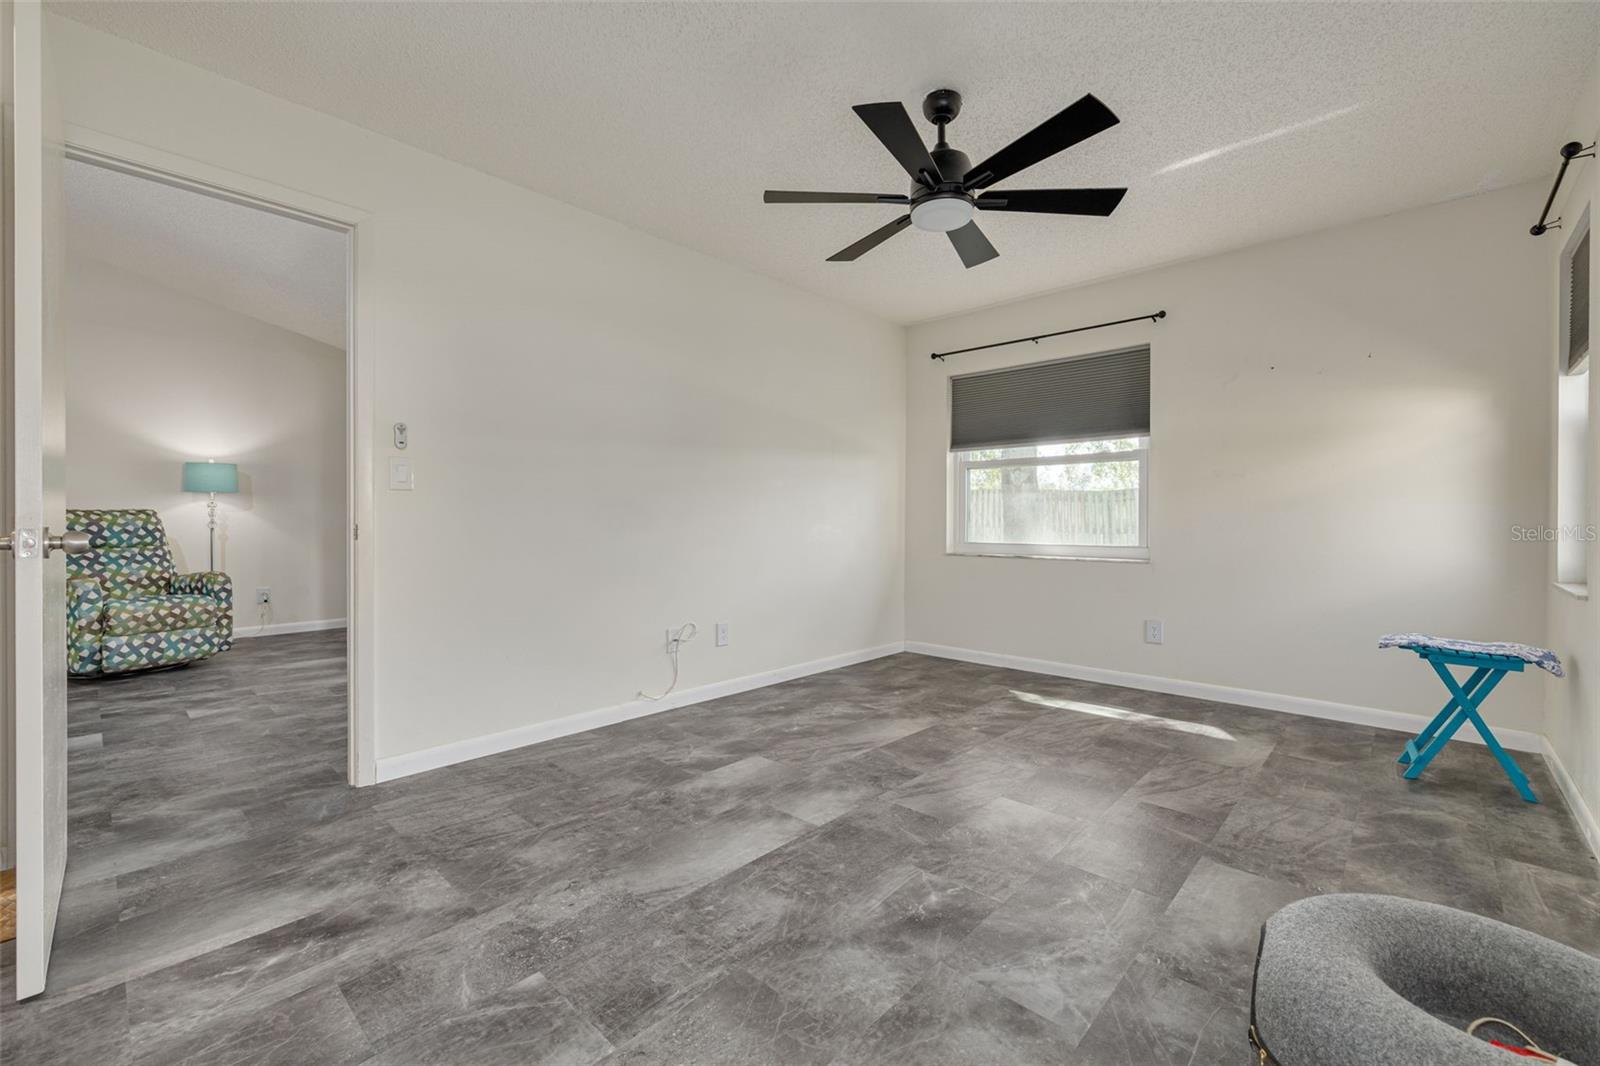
{"x": 1403, "y": 721}
{"x": 415, "y": 762}
{"x": 1587, "y": 825}
{"x": 278, "y": 628}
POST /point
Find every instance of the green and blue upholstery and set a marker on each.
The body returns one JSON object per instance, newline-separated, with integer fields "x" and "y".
{"x": 128, "y": 608}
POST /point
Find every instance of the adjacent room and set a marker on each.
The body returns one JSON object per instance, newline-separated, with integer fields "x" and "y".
{"x": 206, "y": 459}
{"x": 795, "y": 533}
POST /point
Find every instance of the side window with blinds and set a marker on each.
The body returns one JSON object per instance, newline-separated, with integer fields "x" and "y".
{"x": 1578, "y": 305}
{"x": 1051, "y": 459}
{"x": 1574, "y": 431}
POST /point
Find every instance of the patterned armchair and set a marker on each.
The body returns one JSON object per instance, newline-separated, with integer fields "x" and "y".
{"x": 126, "y": 607}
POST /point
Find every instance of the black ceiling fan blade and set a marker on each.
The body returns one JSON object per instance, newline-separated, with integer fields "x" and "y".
{"x": 972, "y": 245}
{"x": 1054, "y": 201}
{"x": 1074, "y": 123}
{"x": 779, "y": 196}
{"x": 870, "y": 241}
{"x": 892, "y": 125}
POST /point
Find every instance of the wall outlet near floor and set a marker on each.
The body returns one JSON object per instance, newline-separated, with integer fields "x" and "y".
{"x": 263, "y": 596}
{"x": 1153, "y": 631}
{"x": 722, "y": 634}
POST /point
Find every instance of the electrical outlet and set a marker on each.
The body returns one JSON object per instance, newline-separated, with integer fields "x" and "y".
{"x": 722, "y": 634}
{"x": 263, "y": 596}
{"x": 678, "y": 636}
{"x": 1153, "y": 631}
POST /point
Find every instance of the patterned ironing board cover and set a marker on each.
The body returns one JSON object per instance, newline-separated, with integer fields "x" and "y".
{"x": 1543, "y": 658}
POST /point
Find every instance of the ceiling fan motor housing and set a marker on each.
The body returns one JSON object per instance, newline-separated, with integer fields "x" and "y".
{"x": 953, "y": 165}
{"x": 947, "y": 206}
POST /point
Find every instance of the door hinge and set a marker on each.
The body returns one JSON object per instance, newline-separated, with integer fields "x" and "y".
{"x": 357, "y": 534}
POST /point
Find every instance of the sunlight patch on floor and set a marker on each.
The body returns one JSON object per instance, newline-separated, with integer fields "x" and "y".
{"x": 1125, "y": 715}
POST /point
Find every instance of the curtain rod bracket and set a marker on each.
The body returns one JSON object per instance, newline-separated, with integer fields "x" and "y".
{"x": 1154, "y": 317}
{"x": 1569, "y": 151}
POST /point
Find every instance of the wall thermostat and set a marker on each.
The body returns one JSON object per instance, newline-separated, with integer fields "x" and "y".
{"x": 400, "y": 435}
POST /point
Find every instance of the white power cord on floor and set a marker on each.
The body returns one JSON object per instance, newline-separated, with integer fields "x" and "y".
{"x": 675, "y": 641}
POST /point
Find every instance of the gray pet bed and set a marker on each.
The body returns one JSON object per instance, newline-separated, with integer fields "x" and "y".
{"x": 1358, "y": 980}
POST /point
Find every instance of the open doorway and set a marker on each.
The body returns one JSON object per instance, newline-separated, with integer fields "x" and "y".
{"x": 208, "y": 459}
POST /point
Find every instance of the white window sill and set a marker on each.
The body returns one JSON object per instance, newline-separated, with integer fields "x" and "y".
{"x": 1574, "y": 589}
{"x": 1053, "y": 558}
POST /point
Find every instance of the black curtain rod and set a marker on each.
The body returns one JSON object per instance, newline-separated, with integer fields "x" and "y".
{"x": 1569, "y": 151}
{"x": 1156, "y": 317}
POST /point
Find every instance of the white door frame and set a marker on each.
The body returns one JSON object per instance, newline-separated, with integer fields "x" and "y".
{"x": 128, "y": 157}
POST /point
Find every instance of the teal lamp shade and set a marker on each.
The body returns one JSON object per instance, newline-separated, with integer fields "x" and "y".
{"x": 210, "y": 477}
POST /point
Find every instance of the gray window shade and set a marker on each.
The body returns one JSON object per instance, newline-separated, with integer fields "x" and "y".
{"x": 1069, "y": 399}
{"x": 1578, "y": 305}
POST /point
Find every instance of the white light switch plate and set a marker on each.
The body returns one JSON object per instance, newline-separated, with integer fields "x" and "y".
{"x": 722, "y": 634}
{"x": 400, "y": 479}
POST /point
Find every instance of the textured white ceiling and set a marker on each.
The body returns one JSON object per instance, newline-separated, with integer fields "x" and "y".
{"x": 1240, "y": 122}
{"x": 279, "y": 270}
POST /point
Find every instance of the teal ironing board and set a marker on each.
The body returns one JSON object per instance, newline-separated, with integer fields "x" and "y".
{"x": 1489, "y": 663}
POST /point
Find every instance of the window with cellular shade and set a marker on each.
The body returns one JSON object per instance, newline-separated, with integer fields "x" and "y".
{"x": 1105, "y": 395}
{"x": 1578, "y": 305}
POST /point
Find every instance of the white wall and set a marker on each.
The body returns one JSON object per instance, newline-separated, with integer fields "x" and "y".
{"x": 610, "y": 434}
{"x": 1345, "y": 427}
{"x": 1572, "y": 709}
{"x": 157, "y": 378}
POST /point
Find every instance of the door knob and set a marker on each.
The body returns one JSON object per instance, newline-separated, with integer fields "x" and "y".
{"x": 73, "y": 542}
{"x": 24, "y": 542}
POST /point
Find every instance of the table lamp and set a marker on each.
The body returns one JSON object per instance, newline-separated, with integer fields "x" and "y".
{"x": 211, "y": 477}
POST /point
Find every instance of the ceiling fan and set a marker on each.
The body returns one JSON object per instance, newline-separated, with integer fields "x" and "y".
{"x": 946, "y": 189}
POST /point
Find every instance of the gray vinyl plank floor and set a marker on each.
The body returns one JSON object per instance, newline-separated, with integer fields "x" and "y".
{"x": 910, "y": 860}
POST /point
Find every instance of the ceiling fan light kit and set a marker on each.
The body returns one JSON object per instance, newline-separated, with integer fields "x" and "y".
{"x": 946, "y": 188}
{"x": 941, "y": 213}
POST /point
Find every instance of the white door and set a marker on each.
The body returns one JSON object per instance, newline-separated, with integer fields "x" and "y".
{"x": 36, "y": 656}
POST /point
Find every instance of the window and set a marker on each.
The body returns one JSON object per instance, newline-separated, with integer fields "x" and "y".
{"x": 1572, "y": 481}
{"x": 1573, "y": 531}
{"x": 1052, "y": 459}
{"x": 1578, "y": 303}
{"x": 1082, "y": 498}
